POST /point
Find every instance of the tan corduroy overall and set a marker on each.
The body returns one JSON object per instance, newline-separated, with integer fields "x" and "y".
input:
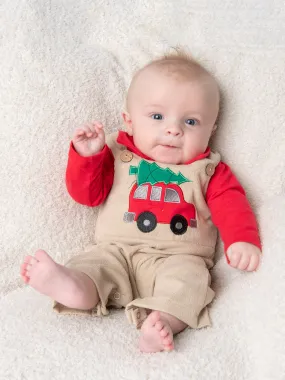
{"x": 155, "y": 240}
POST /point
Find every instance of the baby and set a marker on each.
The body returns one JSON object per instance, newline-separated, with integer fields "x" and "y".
{"x": 164, "y": 195}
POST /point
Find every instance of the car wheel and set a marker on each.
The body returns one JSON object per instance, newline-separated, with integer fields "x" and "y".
{"x": 178, "y": 225}
{"x": 146, "y": 221}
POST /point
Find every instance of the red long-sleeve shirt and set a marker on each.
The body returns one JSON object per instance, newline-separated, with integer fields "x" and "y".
{"x": 90, "y": 179}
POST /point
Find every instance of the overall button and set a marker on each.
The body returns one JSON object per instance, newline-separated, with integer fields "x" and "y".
{"x": 210, "y": 169}
{"x": 126, "y": 156}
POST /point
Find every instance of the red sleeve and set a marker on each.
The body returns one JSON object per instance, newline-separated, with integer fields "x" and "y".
{"x": 230, "y": 209}
{"x": 89, "y": 179}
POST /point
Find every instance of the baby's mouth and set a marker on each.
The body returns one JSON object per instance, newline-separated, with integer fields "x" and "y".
{"x": 169, "y": 146}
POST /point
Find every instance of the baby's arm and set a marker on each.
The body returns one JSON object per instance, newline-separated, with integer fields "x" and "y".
{"x": 233, "y": 216}
{"x": 90, "y": 168}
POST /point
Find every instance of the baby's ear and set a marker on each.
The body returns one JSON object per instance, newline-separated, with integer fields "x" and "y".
{"x": 128, "y": 123}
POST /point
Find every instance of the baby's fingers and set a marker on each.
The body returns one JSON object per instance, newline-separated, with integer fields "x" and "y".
{"x": 97, "y": 127}
{"x": 244, "y": 262}
{"x": 254, "y": 263}
{"x": 235, "y": 259}
{"x": 99, "y": 130}
{"x": 97, "y": 124}
{"x": 90, "y": 130}
{"x": 79, "y": 133}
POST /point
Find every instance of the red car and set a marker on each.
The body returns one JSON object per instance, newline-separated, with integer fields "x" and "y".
{"x": 160, "y": 203}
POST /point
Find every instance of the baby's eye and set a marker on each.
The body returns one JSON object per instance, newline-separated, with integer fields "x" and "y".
{"x": 191, "y": 121}
{"x": 157, "y": 116}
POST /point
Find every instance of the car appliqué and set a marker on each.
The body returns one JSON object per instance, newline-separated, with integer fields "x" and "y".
{"x": 156, "y": 197}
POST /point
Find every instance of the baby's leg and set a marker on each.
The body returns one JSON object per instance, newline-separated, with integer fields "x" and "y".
{"x": 177, "y": 286}
{"x": 157, "y": 332}
{"x": 69, "y": 287}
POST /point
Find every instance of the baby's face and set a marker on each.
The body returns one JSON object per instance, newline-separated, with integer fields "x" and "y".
{"x": 171, "y": 120}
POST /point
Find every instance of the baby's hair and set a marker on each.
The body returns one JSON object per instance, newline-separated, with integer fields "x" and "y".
{"x": 176, "y": 55}
{"x": 180, "y": 65}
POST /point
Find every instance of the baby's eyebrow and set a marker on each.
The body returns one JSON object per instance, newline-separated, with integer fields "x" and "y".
{"x": 192, "y": 113}
{"x": 153, "y": 106}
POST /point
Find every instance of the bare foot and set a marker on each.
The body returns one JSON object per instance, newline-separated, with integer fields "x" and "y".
{"x": 67, "y": 286}
{"x": 156, "y": 334}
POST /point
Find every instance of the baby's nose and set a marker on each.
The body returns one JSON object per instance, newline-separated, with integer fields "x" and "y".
{"x": 174, "y": 129}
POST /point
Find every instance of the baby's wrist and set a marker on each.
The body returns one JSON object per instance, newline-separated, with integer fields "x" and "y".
{"x": 84, "y": 153}
{"x": 242, "y": 246}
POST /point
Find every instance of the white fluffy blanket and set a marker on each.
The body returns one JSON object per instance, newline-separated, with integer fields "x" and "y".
{"x": 67, "y": 61}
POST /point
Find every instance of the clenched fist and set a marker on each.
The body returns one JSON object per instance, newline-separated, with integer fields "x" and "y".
{"x": 89, "y": 139}
{"x": 244, "y": 256}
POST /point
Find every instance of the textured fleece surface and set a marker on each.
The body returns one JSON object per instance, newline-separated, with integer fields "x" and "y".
{"x": 64, "y": 62}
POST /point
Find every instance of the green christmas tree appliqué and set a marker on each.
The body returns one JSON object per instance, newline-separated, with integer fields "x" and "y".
{"x": 152, "y": 173}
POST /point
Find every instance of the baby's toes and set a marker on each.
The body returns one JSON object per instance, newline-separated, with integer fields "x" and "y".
{"x": 28, "y": 259}
{"x": 159, "y": 326}
{"x": 33, "y": 261}
{"x": 28, "y": 269}
{"x": 28, "y": 265}
{"x": 169, "y": 348}
{"x": 24, "y": 273}
{"x": 164, "y": 333}
{"x": 23, "y": 269}
{"x": 167, "y": 341}
{"x": 31, "y": 264}
{"x": 168, "y": 344}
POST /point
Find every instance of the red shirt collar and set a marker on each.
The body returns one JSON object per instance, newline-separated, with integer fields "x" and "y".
{"x": 125, "y": 139}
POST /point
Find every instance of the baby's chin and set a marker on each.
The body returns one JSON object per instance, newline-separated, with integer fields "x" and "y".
{"x": 173, "y": 158}
{"x": 170, "y": 161}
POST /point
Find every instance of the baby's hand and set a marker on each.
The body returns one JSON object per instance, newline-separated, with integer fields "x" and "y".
{"x": 89, "y": 139}
{"x": 244, "y": 256}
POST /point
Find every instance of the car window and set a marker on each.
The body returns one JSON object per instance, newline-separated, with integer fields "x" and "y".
{"x": 141, "y": 192}
{"x": 155, "y": 193}
{"x": 171, "y": 196}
